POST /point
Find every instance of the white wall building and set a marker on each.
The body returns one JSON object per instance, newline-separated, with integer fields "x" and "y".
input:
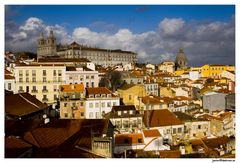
{"x": 99, "y": 101}
{"x": 85, "y": 76}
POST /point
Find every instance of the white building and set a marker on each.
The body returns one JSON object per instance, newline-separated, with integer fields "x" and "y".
{"x": 99, "y": 101}
{"x": 9, "y": 82}
{"x": 82, "y": 75}
{"x": 151, "y": 88}
{"x": 167, "y": 66}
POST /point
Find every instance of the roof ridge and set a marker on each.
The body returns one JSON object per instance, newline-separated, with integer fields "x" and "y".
{"x": 29, "y": 101}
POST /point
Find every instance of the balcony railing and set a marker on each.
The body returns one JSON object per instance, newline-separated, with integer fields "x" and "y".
{"x": 20, "y": 91}
{"x": 44, "y": 99}
{"x": 44, "y": 91}
{"x": 34, "y": 91}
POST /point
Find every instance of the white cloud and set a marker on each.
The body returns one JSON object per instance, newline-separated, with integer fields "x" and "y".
{"x": 171, "y": 26}
{"x": 203, "y": 42}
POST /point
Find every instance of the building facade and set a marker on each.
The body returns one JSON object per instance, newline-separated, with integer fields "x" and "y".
{"x": 104, "y": 57}
{"x": 41, "y": 81}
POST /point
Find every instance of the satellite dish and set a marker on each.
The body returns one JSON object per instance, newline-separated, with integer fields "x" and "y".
{"x": 44, "y": 116}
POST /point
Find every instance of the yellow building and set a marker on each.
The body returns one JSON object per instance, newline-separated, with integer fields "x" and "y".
{"x": 131, "y": 94}
{"x": 214, "y": 71}
{"x": 179, "y": 72}
{"x": 167, "y": 92}
{"x": 41, "y": 81}
{"x": 72, "y": 101}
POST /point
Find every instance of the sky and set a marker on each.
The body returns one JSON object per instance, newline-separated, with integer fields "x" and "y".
{"x": 154, "y": 32}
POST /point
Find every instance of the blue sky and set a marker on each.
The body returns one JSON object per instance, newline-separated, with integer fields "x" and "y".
{"x": 156, "y": 32}
{"x": 123, "y": 16}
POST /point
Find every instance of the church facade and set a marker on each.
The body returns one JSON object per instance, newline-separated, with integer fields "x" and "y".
{"x": 104, "y": 57}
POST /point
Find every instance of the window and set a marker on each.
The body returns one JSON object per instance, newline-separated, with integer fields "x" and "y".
{"x": 65, "y": 115}
{"x": 44, "y": 79}
{"x": 59, "y": 79}
{"x": 55, "y": 88}
{"x": 65, "y": 104}
{"x": 54, "y": 73}
{"x": 131, "y": 112}
{"x": 33, "y": 72}
{"x": 97, "y": 115}
{"x": 27, "y": 79}
{"x": 54, "y": 79}
{"x": 114, "y": 103}
{"x": 97, "y": 105}
{"x": 34, "y": 89}
{"x": 87, "y": 84}
{"x": 27, "y": 73}
{"x": 90, "y": 105}
{"x": 92, "y": 77}
{"x": 9, "y": 86}
{"x": 109, "y": 104}
{"x": 44, "y": 87}
{"x": 73, "y": 115}
{"x": 92, "y": 84}
{"x": 20, "y": 88}
{"x": 179, "y": 130}
{"x": 81, "y": 103}
{"x": 130, "y": 97}
{"x": 20, "y": 73}
{"x": 174, "y": 130}
{"x": 34, "y": 79}
{"x": 103, "y": 104}
{"x": 125, "y": 111}
{"x": 82, "y": 114}
{"x": 44, "y": 72}
{"x": 87, "y": 77}
{"x": 91, "y": 115}
{"x": 59, "y": 72}
{"x": 199, "y": 126}
{"x": 55, "y": 97}
{"x": 119, "y": 112}
{"x": 20, "y": 80}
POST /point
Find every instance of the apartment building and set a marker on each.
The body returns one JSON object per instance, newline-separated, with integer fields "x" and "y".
{"x": 99, "y": 101}
{"x": 40, "y": 80}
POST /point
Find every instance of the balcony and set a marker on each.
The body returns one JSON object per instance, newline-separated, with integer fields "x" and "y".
{"x": 74, "y": 108}
{"x": 44, "y": 99}
{"x": 34, "y": 91}
{"x": 44, "y": 91}
{"x": 20, "y": 91}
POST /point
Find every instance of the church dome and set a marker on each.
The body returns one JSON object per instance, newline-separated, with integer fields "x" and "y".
{"x": 181, "y": 59}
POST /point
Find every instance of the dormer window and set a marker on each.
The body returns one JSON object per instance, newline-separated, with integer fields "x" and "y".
{"x": 109, "y": 95}
{"x": 125, "y": 111}
{"x": 97, "y": 95}
{"x": 131, "y": 112}
{"x": 119, "y": 112}
{"x": 103, "y": 95}
{"x": 91, "y": 96}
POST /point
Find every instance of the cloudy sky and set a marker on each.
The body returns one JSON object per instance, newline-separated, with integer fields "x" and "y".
{"x": 155, "y": 32}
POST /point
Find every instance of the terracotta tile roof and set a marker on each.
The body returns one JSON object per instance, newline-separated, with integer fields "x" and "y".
{"x": 9, "y": 77}
{"x": 98, "y": 90}
{"x": 15, "y": 147}
{"x": 162, "y": 117}
{"x": 127, "y": 86}
{"x": 151, "y": 100}
{"x": 6, "y": 72}
{"x": 170, "y": 154}
{"x": 72, "y": 88}
{"x": 129, "y": 139}
{"x": 151, "y": 133}
{"x": 181, "y": 98}
{"x": 60, "y": 131}
{"x": 22, "y": 104}
{"x": 187, "y": 118}
{"x": 216, "y": 142}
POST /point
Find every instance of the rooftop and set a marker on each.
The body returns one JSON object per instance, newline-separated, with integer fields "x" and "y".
{"x": 22, "y": 104}
{"x": 159, "y": 118}
{"x": 98, "y": 90}
{"x": 129, "y": 139}
{"x": 151, "y": 133}
{"x": 72, "y": 88}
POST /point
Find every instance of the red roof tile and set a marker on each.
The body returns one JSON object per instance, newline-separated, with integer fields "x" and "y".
{"x": 151, "y": 133}
{"x": 170, "y": 154}
{"x": 98, "y": 90}
{"x": 128, "y": 139}
{"x": 72, "y": 88}
{"x": 162, "y": 117}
